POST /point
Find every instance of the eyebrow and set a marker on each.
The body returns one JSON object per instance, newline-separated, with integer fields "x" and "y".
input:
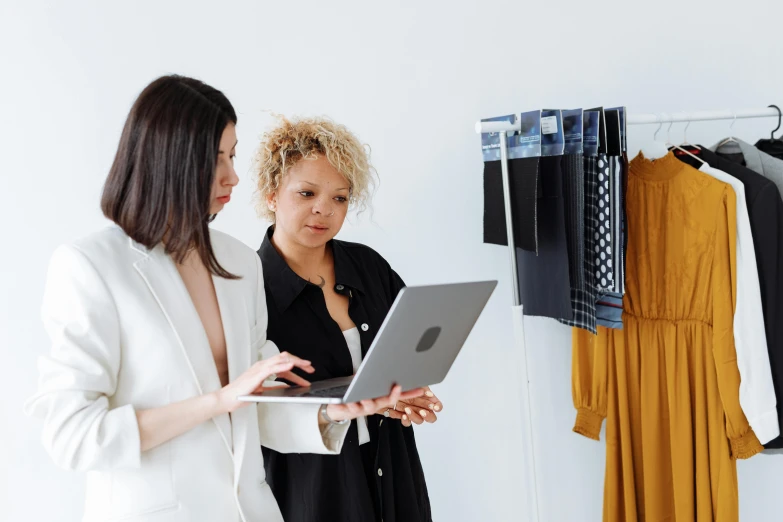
{"x": 232, "y": 148}
{"x": 314, "y": 185}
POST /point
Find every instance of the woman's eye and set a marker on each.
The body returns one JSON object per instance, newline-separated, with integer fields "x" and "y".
{"x": 341, "y": 199}
{"x": 305, "y": 193}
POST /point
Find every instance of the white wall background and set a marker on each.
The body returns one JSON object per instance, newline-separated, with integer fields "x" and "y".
{"x": 410, "y": 79}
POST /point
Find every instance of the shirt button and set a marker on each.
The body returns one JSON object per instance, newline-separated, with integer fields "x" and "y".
{"x": 340, "y": 288}
{"x": 380, "y": 472}
{"x": 365, "y": 327}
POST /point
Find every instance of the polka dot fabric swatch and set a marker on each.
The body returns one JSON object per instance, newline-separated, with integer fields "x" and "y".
{"x": 603, "y": 258}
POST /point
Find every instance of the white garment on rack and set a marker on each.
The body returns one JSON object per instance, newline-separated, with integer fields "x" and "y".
{"x": 354, "y": 341}
{"x": 756, "y": 394}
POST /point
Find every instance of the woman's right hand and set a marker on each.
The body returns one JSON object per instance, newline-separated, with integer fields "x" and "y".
{"x": 253, "y": 379}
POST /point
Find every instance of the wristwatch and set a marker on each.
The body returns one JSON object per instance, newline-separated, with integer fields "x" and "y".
{"x": 328, "y": 419}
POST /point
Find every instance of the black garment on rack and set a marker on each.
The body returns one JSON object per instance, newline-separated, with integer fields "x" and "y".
{"x": 624, "y": 213}
{"x": 574, "y": 195}
{"x": 772, "y": 147}
{"x": 545, "y": 288}
{"x": 583, "y": 299}
{"x": 525, "y": 193}
{"x": 765, "y": 209}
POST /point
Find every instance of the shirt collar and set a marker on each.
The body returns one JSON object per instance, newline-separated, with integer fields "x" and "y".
{"x": 285, "y": 285}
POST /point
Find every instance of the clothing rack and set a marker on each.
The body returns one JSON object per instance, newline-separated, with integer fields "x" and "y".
{"x": 648, "y": 118}
{"x": 503, "y": 128}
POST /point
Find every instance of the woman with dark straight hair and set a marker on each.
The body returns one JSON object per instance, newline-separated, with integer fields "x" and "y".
{"x": 158, "y": 323}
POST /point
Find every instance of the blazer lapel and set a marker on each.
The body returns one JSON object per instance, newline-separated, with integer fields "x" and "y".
{"x": 236, "y": 325}
{"x": 752, "y": 157}
{"x": 161, "y": 275}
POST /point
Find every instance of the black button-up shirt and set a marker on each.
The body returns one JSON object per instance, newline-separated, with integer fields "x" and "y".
{"x": 388, "y": 483}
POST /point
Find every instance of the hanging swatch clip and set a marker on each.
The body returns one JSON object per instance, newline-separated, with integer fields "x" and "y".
{"x": 490, "y": 141}
{"x": 527, "y": 142}
{"x": 590, "y": 136}
{"x": 623, "y": 127}
{"x": 614, "y": 140}
{"x": 552, "y": 139}
{"x": 572, "y": 131}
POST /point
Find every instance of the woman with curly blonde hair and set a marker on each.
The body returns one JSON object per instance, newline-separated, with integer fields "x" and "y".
{"x": 327, "y": 299}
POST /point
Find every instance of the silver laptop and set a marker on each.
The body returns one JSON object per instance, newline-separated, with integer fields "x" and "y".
{"x": 415, "y": 346}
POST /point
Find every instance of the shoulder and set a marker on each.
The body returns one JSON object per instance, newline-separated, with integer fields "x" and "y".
{"x": 363, "y": 255}
{"x": 771, "y": 162}
{"x": 227, "y": 243}
{"x": 702, "y": 183}
{"x": 91, "y": 257}
{"x": 234, "y": 255}
{"x": 99, "y": 248}
{"x": 366, "y": 266}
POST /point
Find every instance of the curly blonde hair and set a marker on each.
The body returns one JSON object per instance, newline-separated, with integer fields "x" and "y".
{"x": 289, "y": 141}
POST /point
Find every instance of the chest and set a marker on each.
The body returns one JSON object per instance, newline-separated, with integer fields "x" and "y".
{"x": 308, "y": 329}
{"x": 201, "y": 289}
{"x": 338, "y": 307}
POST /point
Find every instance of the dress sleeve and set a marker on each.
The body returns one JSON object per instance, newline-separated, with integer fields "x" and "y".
{"x": 589, "y": 380}
{"x": 744, "y": 443}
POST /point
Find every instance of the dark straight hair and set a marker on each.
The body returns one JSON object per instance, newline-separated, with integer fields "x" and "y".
{"x": 160, "y": 183}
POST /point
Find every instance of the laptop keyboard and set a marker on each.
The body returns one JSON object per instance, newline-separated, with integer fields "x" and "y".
{"x": 336, "y": 391}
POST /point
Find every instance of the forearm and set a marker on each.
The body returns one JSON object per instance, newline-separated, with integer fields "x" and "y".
{"x": 160, "y": 425}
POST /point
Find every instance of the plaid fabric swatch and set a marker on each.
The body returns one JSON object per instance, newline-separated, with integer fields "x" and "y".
{"x": 583, "y": 299}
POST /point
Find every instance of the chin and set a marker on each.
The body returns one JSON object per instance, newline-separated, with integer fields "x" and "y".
{"x": 314, "y": 241}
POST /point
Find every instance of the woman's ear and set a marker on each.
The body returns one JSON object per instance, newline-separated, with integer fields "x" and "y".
{"x": 271, "y": 201}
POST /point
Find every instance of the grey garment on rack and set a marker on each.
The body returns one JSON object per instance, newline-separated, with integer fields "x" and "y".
{"x": 525, "y": 193}
{"x": 758, "y": 161}
{"x": 583, "y": 299}
{"x": 609, "y": 311}
{"x": 574, "y": 195}
{"x": 544, "y": 285}
{"x": 604, "y": 271}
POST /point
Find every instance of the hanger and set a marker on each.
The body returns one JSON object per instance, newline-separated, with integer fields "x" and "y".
{"x": 780, "y": 117}
{"x": 685, "y": 135}
{"x": 670, "y": 145}
{"x": 773, "y": 146}
{"x": 730, "y": 138}
{"x": 655, "y": 149}
{"x": 655, "y": 134}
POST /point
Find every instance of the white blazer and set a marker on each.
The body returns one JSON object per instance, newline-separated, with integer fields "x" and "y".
{"x": 125, "y": 336}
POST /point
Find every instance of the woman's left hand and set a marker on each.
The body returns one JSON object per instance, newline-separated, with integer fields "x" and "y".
{"x": 339, "y": 412}
{"x": 416, "y": 410}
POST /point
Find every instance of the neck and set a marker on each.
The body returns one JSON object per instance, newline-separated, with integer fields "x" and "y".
{"x": 301, "y": 259}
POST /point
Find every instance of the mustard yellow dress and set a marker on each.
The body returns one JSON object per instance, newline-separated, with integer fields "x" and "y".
{"x": 668, "y": 384}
